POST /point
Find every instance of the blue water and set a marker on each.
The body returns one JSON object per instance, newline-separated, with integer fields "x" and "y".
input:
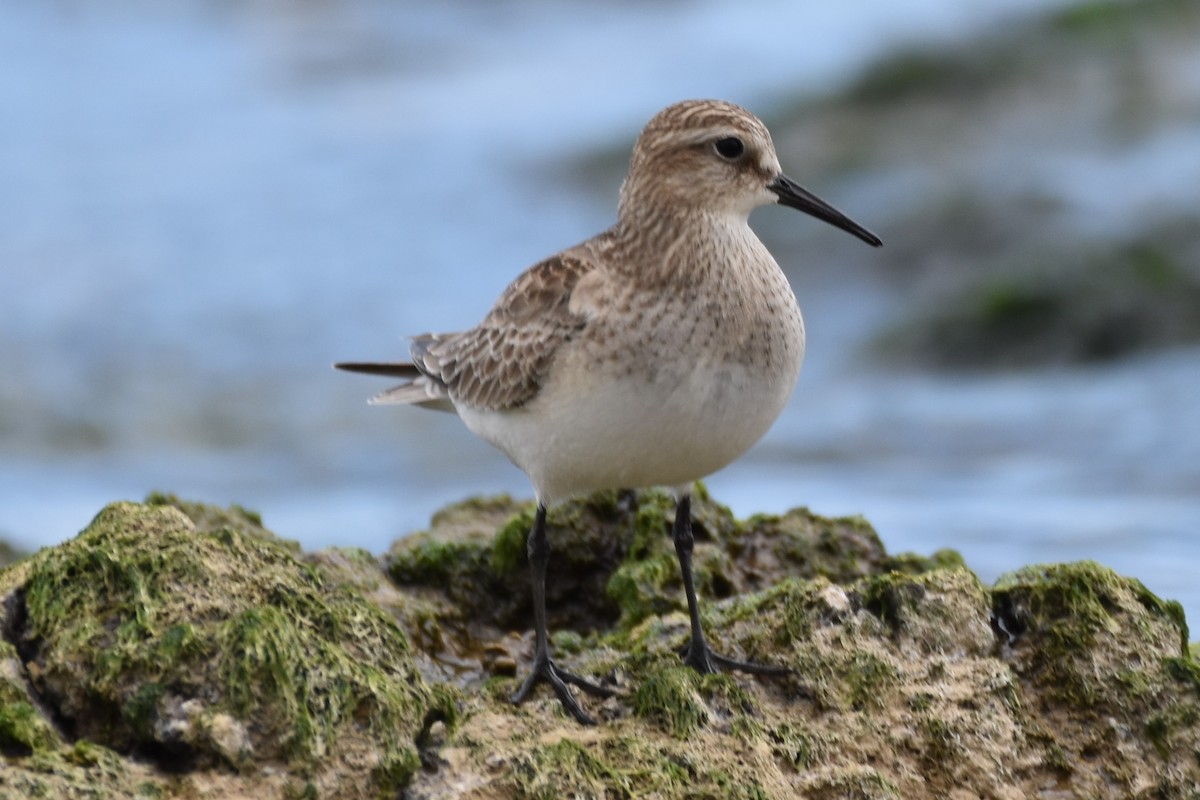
{"x": 203, "y": 206}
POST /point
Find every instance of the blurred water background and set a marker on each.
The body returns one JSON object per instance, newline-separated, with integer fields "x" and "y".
{"x": 203, "y": 204}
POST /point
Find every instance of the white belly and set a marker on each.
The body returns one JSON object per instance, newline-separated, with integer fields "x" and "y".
{"x": 607, "y": 431}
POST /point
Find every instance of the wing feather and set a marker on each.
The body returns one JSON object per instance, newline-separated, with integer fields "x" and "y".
{"x": 391, "y": 370}
{"x": 502, "y": 362}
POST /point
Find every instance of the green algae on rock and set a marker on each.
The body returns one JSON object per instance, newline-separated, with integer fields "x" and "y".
{"x": 24, "y": 728}
{"x": 151, "y": 657}
{"x": 474, "y": 552}
{"x": 615, "y": 566}
{"x": 214, "y": 649}
{"x": 207, "y": 517}
{"x": 1105, "y": 658}
{"x": 903, "y": 663}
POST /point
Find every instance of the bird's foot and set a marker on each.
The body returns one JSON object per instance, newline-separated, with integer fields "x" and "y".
{"x": 700, "y": 657}
{"x": 545, "y": 670}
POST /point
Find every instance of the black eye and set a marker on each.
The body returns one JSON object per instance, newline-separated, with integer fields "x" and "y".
{"x": 730, "y": 147}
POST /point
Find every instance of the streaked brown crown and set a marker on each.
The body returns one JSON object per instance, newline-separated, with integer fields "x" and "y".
{"x": 677, "y": 165}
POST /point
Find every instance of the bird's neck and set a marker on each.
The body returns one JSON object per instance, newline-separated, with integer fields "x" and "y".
{"x": 663, "y": 245}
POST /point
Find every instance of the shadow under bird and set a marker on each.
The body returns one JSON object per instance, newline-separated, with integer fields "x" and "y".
{"x": 652, "y": 354}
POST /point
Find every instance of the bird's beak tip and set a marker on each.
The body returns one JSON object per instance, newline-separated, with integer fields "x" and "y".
{"x": 793, "y": 195}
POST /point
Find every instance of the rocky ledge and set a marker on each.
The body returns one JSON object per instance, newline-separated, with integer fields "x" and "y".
{"x": 180, "y": 650}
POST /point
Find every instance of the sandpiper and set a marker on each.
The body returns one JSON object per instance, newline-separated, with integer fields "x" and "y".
{"x": 652, "y": 354}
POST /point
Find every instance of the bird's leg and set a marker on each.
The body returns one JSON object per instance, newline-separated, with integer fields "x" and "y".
{"x": 697, "y": 654}
{"x": 544, "y": 669}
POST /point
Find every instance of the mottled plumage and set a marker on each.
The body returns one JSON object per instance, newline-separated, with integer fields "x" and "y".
{"x": 502, "y": 363}
{"x": 652, "y": 354}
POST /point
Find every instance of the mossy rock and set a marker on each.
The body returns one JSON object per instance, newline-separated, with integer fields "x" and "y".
{"x": 801, "y": 543}
{"x": 1101, "y": 656}
{"x": 911, "y": 674}
{"x": 207, "y": 517}
{"x": 149, "y": 658}
{"x": 849, "y": 700}
{"x": 194, "y": 649}
{"x": 1056, "y": 614}
{"x": 474, "y": 555}
{"x": 83, "y": 771}
{"x": 465, "y": 580}
{"x": 932, "y": 613}
{"x": 612, "y": 559}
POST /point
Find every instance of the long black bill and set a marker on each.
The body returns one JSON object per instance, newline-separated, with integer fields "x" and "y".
{"x": 796, "y": 196}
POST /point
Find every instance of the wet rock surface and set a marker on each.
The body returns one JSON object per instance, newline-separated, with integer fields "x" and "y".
{"x": 156, "y": 655}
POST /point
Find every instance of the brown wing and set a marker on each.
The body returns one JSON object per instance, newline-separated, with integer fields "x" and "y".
{"x": 502, "y": 362}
